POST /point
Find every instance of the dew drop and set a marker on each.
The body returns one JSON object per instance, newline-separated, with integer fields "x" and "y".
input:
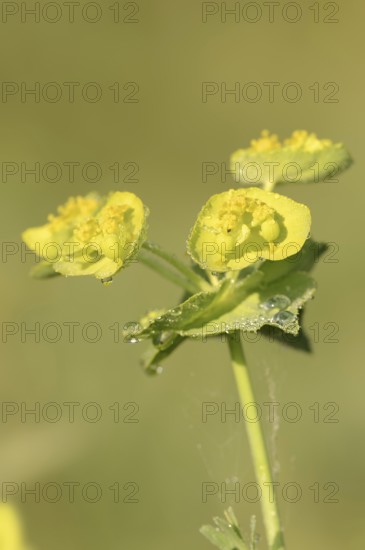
{"x": 156, "y": 369}
{"x": 278, "y": 301}
{"x": 283, "y": 317}
{"x": 107, "y": 281}
{"x": 175, "y": 312}
{"x": 133, "y": 340}
{"x": 211, "y": 229}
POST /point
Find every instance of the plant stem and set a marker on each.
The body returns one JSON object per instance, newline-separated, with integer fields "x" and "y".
{"x": 232, "y": 275}
{"x": 185, "y": 270}
{"x": 214, "y": 281}
{"x": 167, "y": 273}
{"x": 259, "y": 454}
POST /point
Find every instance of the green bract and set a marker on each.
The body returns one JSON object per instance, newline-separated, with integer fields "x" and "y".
{"x": 90, "y": 235}
{"x": 240, "y": 226}
{"x": 301, "y": 158}
{"x": 246, "y": 305}
{"x": 226, "y": 533}
{"x": 270, "y": 296}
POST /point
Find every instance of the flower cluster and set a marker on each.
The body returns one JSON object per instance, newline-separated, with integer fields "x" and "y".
{"x": 301, "y": 158}
{"x": 240, "y": 226}
{"x": 91, "y": 235}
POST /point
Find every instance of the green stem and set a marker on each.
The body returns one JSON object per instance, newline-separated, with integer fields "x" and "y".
{"x": 167, "y": 273}
{"x": 232, "y": 275}
{"x": 214, "y": 281}
{"x": 259, "y": 454}
{"x": 199, "y": 282}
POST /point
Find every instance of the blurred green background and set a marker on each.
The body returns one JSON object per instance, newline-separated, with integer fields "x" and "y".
{"x": 169, "y": 133}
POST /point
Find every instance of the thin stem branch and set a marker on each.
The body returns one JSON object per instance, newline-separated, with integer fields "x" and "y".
{"x": 259, "y": 454}
{"x": 233, "y": 275}
{"x": 214, "y": 281}
{"x": 185, "y": 270}
{"x": 167, "y": 273}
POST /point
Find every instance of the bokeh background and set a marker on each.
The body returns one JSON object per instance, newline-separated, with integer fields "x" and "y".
{"x": 169, "y": 133}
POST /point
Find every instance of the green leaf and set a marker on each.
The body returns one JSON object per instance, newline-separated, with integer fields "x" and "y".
{"x": 277, "y": 304}
{"x": 300, "y": 342}
{"x": 162, "y": 343}
{"x": 43, "y": 270}
{"x": 158, "y": 352}
{"x": 245, "y": 305}
{"x": 226, "y": 535}
{"x": 304, "y": 260}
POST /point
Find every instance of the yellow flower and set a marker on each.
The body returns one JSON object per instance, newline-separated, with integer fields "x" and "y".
{"x": 11, "y": 536}
{"x": 300, "y": 158}
{"x": 91, "y": 235}
{"x": 240, "y": 226}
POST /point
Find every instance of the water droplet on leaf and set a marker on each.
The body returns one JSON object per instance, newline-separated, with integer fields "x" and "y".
{"x": 175, "y": 312}
{"x": 278, "y": 301}
{"x": 284, "y": 318}
{"x": 156, "y": 369}
{"x": 133, "y": 340}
